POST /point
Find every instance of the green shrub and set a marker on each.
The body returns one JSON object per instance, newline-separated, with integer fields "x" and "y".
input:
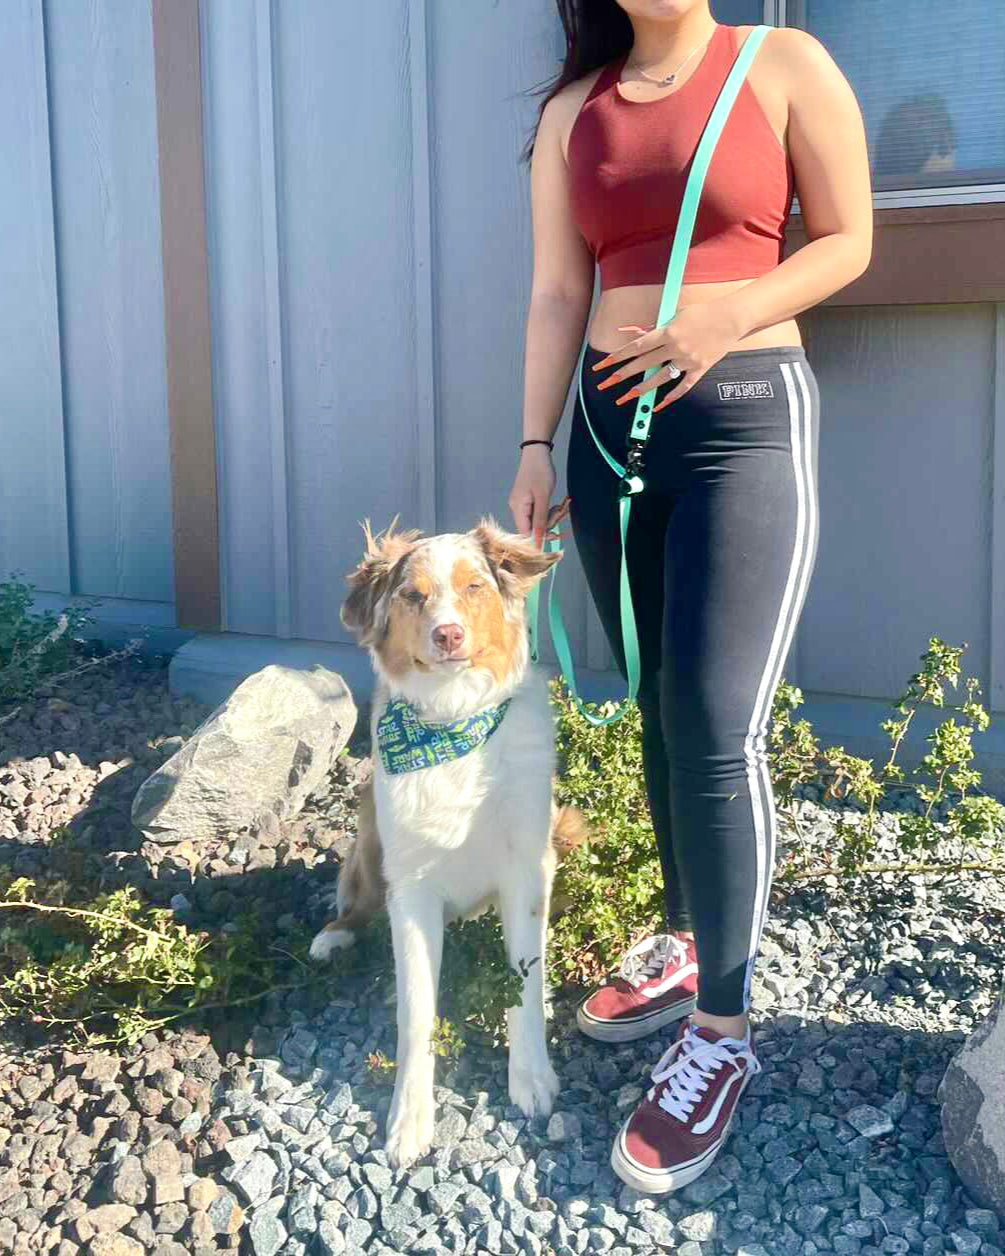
{"x": 34, "y": 646}
{"x": 949, "y": 821}
{"x": 112, "y": 968}
{"x": 613, "y": 885}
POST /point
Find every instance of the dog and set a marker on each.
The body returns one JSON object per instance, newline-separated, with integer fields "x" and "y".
{"x": 460, "y": 814}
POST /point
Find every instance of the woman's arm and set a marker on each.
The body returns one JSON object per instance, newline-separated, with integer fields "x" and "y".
{"x": 830, "y": 161}
{"x": 561, "y": 296}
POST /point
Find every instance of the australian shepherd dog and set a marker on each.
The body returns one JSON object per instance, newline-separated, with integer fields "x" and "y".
{"x": 460, "y": 813}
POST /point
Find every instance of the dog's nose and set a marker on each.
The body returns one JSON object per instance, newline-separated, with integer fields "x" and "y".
{"x": 448, "y": 637}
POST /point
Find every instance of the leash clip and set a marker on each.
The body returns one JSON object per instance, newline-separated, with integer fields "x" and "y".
{"x": 631, "y": 480}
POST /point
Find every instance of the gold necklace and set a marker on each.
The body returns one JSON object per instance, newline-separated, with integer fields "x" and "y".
{"x": 669, "y": 79}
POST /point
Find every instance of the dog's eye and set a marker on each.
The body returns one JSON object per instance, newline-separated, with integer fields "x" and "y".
{"x": 414, "y": 596}
{"x": 475, "y": 585}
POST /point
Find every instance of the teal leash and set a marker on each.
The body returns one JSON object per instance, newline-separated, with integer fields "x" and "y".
{"x": 631, "y": 482}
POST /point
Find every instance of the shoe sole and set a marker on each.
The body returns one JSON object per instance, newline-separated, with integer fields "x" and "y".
{"x": 629, "y": 1031}
{"x": 665, "y": 1181}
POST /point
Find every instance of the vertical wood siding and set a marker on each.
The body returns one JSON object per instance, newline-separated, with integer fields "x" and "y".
{"x": 906, "y": 434}
{"x": 84, "y": 476}
{"x": 370, "y": 264}
{"x": 33, "y": 524}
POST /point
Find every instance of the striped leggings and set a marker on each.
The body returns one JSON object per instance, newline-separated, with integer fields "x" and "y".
{"x": 721, "y": 547}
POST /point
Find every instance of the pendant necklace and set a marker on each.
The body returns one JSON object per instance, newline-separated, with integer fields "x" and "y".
{"x": 669, "y": 79}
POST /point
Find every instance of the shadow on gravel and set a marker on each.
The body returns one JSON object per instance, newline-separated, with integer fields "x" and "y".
{"x": 839, "y": 1135}
{"x": 70, "y": 765}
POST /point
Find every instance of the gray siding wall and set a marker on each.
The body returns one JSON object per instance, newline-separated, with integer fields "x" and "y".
{"x": 84, "y": 474}
{"x": 370, "y": 266}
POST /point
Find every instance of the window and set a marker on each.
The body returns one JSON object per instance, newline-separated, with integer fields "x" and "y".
{"x": 738, "y": 12}
{"x": 930, "y": 77}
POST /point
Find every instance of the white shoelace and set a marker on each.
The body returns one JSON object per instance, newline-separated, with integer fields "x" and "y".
{"x": 648, "y": 958}
{"x": 688, "y": 1066}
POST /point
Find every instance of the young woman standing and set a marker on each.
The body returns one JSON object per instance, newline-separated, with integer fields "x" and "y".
{"x": 722, "y": 541}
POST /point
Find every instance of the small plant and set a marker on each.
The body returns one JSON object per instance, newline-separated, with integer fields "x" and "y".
{"x": 477, "y": 985}
{"x": 381, "y": 1067}
{"x": 34, "y": 646}
{"x": 114, "y": 968}
{"x": 613, "y": 884}
{"x": 110, "y": 969}
{"x": 944, "y": 781}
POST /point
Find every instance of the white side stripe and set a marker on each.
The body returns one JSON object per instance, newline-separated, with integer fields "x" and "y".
{"x": 811, "y": 539}
{"x": 680, "y": 975}
{"x": 705, "y": 1125}
{"x": 755, "y": 742}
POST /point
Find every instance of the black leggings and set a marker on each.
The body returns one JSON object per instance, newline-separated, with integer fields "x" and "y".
{"x": 721, "y": 546}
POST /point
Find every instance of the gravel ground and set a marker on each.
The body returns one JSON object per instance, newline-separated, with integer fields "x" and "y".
{"x": 269, "y": 1139}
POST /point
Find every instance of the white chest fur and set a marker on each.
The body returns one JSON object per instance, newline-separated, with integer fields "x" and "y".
{"x": 460, "y": 826}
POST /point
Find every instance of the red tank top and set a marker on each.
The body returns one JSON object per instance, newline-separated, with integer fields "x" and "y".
{"x": 629, "y": 160}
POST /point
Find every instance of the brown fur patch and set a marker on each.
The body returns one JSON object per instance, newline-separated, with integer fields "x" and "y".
{"x": 405, "y": 640}
{"x": 569, "y": 829}
{"x": 493, "y": 635}
{"x": 517, "y": 561}
{"x": 373, "y": 578}
{"x": 364, "y": 889}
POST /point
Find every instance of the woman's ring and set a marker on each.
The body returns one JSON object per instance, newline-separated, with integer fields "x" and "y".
{"x": 675, "y": 371}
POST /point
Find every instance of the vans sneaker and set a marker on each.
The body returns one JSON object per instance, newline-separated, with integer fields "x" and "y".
{"x": 656, "y": 985}
{"x": 680, "y": 1126}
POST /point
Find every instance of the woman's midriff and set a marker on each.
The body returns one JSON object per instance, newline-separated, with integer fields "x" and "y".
{"x": 640, "y": 304}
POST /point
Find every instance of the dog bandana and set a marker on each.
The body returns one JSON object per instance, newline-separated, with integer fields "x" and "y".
{"x": 407, "y": 743}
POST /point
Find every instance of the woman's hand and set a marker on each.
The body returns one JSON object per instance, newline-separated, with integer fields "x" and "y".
{"x": 531, "y": 493}
{"x": 693, "y": 341}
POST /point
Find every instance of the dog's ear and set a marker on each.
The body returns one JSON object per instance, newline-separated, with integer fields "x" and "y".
{"x": 372, "y": 580}
{"x": 517, "y": 562}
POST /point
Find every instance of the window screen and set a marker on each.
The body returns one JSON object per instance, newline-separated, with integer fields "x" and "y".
{"x": 738, "y": 12}
{"x": 930, "y": 77}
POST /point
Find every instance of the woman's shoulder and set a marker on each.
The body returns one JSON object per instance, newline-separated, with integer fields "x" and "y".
{"x": 790, "y": 65}
{"x": 570, "y": 98}
{"x": 788, "y": 47}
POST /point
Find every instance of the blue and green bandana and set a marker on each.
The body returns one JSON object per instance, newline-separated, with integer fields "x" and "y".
{"x": 407, "y": 743}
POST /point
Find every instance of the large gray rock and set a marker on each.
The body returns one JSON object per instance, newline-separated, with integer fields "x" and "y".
{"x": 260, "y": 753}
{"x": 973, "y": 1111}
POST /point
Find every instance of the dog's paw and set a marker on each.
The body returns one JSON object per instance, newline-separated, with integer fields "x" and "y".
{"x": 533, "y": 1090}
{"x": 409, "y": 1131}
{"x": 328, "y": 941}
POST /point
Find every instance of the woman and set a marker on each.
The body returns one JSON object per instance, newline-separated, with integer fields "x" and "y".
{"x": 723, "y": 539}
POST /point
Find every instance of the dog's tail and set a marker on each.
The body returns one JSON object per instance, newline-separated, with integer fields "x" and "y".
{"x": 569, "y": 829}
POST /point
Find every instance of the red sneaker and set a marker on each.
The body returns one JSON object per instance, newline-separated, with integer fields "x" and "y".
{"x": 680, "y": 1126}
{"x": 656, "y": 985}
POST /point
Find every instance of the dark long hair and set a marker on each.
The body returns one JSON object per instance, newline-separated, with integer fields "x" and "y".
{"x": 596, "y": 31}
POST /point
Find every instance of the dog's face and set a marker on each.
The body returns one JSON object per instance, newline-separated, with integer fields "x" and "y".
{"x": 433, "y": 608}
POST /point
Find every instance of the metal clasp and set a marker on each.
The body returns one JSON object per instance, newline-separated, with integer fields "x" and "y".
{"x": 631, "y": 480}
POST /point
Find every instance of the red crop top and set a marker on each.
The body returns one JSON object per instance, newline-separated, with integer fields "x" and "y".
{"x": 629, "y": 160}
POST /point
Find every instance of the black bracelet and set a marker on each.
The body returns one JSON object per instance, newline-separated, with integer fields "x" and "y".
{"x": 549, "y": 443}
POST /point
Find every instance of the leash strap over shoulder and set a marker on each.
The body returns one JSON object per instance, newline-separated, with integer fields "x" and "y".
{"x": 639, "y": 433}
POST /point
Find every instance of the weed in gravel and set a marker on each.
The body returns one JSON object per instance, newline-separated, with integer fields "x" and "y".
{"x": 40, "y": 648}
{"x": 33, "y": 646}
{"x": 111, "y": 969}
{"x": 950, "y": 820}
